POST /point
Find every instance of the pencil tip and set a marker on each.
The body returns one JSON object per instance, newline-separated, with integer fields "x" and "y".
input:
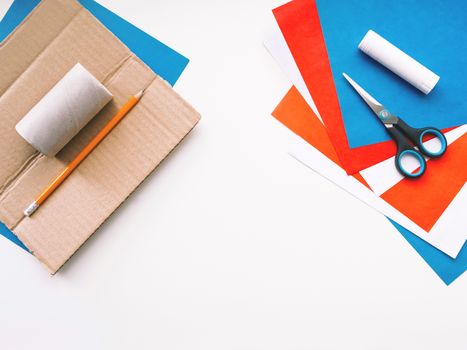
{"x": 139, "y": 94}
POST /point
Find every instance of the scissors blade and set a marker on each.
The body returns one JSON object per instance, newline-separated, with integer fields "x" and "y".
{"x": 382, "y": 113}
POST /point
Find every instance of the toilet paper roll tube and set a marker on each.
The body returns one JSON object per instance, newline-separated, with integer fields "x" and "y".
{"x": 63, "y": 111}
{"x": 398, "y": 62}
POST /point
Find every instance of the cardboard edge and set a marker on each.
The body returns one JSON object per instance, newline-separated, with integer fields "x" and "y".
{"x": 53, "y": 271}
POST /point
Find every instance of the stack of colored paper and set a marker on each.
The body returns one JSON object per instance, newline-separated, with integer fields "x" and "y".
{"x": 163, "y": 60}
{"x": 314, "y": 42}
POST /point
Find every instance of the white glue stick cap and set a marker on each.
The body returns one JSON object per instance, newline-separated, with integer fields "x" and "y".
{"x": 398, "y": 62}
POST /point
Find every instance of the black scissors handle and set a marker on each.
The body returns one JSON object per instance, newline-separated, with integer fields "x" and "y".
{"x": 416, "y": 137}
{"x": 402, "y": 133}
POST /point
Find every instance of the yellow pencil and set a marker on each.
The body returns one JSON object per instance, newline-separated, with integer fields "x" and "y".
{"x": 83, "y": 154}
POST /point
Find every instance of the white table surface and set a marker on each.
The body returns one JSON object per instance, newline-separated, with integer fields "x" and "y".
{"x": 231, "y": 244}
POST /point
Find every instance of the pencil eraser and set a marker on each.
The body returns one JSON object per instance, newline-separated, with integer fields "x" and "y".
{"x": 63, "y": 111}
{"x": 394, "y": 59}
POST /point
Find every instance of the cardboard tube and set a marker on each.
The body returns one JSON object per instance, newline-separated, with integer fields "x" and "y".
{"x": 63, "y": 111}
{"x": 398, "y": 62}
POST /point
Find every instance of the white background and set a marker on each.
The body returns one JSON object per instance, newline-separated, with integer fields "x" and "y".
{"x": 231, "y": 244}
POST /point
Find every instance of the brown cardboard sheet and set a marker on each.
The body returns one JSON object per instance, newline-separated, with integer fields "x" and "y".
{"x": 63, "y": 34}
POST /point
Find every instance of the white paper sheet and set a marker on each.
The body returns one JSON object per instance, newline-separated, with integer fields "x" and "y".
{"x": 277, "y": 46}
{"x": 382, "y": 176}
{"x": 448, "y": 234}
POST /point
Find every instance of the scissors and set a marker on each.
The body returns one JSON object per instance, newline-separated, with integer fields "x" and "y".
{"x": 409, "y": 140}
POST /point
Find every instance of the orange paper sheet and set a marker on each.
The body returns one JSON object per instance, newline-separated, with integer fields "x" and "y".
{"x": 295, "y": 113}
{"x": 423, "y": 201}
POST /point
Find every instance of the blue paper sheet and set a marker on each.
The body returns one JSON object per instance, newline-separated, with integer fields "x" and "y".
{"x": 163, "y": 60}
{"x": 5, "y": 232}
{"x": 431, "y": 31}
{"x": 446, "y": 268}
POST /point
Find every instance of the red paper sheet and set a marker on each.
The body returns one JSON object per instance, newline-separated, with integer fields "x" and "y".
{"x": 300, "y": 25}
{"x": 425, "y": 199}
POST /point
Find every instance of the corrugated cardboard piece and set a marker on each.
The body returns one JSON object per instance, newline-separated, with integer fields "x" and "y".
{"x": 57, "y": 35}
